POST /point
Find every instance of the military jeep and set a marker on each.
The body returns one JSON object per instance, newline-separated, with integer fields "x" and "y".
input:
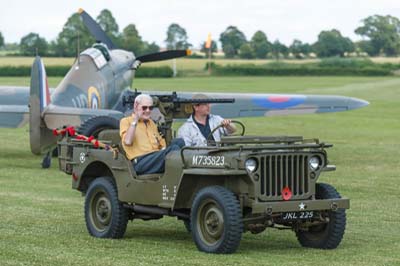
{"x": 239, "y": 184}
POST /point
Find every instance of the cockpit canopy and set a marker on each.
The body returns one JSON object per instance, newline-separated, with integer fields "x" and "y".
{"x": 99, "y": 54}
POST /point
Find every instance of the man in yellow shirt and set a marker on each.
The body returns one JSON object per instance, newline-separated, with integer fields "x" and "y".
{"x": 141, "y": 140}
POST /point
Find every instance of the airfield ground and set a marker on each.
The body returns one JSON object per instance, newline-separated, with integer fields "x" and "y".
{"x": 42, "y": 217}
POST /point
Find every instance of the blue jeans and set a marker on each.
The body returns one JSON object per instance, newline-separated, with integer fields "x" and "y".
{"x": 155, "y": 162}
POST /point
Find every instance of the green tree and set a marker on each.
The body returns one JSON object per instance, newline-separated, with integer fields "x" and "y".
{"x": 246, "y": 51}
{"x": 260, "y": 44}
{"x": 299, "y": 49}
{"x": 366, "y": 47}
{"x": 67, "y": 40}
{"x": 1, "y": 40}
{"x": 33, "y": 44}
{"x": 332, "y": 43}
{"x": 214, "y": 48}
{"x": 232, "y": 39}
{"x": 11, "y": 47}
{"x": 177, "y": 37}
{"x": 279, "y": 49}
{"x": 108, "y": 23}
{"x": 382, "y": 33}
{"x": 131, "y": 40}
{"x": 150, "y": 48}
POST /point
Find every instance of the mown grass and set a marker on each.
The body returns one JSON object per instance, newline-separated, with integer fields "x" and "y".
{"x": 42, "y": 217}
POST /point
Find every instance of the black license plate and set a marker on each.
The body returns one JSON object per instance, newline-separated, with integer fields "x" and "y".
{"x": 290, "y": 216}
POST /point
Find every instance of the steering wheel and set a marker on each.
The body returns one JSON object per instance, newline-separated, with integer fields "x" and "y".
{"x": 219, "y": 126}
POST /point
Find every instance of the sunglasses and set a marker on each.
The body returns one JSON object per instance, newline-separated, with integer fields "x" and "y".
{"x": 144, "y": 107}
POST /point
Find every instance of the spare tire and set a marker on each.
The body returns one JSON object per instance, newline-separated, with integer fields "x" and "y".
{"x": 94, "y": 125}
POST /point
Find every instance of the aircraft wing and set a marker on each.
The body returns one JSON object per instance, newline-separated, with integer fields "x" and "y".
{"x": 14, "y": 110}
{"x": 58, "y": 116}
{"x": 247, "y": 104}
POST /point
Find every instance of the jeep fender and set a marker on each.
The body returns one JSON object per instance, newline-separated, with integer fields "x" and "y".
{"x": 195, "y": 179}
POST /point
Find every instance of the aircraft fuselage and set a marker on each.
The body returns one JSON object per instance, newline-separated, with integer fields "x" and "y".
{"x": 95, "y": 82}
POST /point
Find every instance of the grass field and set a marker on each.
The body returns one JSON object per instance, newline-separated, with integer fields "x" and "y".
{"x": 42, "y": 219}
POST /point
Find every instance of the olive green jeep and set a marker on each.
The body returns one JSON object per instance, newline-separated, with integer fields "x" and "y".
{"x": 240, "y": 184}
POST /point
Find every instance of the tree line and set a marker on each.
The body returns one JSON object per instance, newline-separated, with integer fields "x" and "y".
{"x": 380, "y": 36}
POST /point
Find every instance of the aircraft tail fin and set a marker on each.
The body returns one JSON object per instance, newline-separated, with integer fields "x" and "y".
{"x": 41, "y": 138}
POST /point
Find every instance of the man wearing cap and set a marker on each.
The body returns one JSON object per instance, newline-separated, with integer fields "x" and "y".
{"x": 141, "y": 140}
{"x": 199, "y": 125}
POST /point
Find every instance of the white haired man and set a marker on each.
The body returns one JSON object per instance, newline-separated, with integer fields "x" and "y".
{"x": 141, "y": 140}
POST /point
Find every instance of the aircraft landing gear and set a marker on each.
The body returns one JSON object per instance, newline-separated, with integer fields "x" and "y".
{"x": 46, "y": 162}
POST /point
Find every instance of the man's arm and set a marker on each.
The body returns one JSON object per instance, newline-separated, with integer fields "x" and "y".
{"x": 183, "y": 132}
{"x": 128, "y": 137}
{"x": 130, "y": 134}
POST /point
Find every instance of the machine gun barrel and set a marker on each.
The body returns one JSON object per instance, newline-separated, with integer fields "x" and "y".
{"x": 210, "y": 100}
{"x": 173, "y": 98}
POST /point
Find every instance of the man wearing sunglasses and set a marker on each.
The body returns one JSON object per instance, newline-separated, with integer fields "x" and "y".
{"x": 199, "y": 125}
{"x": 141, "y": 140}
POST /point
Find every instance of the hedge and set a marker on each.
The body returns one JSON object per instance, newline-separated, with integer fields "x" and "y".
{"x": 61, "y": 71}
{"x": 155, "y": 72}
{"x": 305, "y": 70}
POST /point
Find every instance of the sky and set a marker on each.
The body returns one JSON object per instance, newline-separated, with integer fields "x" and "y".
{"x": 283, "y": 20}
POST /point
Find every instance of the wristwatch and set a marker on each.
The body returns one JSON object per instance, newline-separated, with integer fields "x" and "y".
{"x": 133, "y": 124}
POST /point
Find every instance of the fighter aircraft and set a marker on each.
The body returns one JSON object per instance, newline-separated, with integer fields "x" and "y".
{"x": 101, "y": 78}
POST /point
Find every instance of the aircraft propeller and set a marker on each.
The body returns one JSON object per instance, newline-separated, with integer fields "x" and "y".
{"x": 95, "y": 29}
{"x": 101, "y": 36}
{"x": 171, "y": 54}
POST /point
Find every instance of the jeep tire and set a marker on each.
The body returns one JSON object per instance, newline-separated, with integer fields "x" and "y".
{"x": 94, "y": 125}
{"x": 105, "y": 216}
{"x": 216, "y": 220}
{"x": 329, "y": 235}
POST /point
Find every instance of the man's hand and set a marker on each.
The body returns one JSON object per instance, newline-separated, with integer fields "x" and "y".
{"x": 226, "y": 122}
{"x": 137, "y": 114}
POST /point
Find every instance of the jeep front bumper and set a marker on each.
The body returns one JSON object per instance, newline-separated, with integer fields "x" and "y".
{"x": 300, "y": 205}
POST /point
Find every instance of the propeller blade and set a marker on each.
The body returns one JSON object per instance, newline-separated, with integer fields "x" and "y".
{"x": 163, "y": 55}
{"x": 95, "y": 29}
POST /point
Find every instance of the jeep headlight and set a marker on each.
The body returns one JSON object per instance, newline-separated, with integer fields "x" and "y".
{"x": 314, "y": 163}
{"x": 251, "y": 165}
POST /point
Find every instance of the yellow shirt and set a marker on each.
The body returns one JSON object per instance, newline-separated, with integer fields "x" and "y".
{"x": 147, "y": 139}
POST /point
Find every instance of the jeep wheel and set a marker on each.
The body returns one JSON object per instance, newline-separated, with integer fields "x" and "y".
{"x": 104, "y": 215}
{"x": 94, "y": 125}
{"x": 216, "y": 220}
{"x": 328, "y": 235}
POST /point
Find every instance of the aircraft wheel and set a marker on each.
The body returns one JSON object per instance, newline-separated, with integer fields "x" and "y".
{"x": 105, "y": 216}
{"x": 328, "y": 235}
{"x": 216, "y": 220}
{"x": 46, "y": 162}
{"x": 187, "y": 225}
{"x": 94, "y": 125}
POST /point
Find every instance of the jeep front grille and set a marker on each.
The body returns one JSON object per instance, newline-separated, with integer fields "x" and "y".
{"x": 284, "y": 170}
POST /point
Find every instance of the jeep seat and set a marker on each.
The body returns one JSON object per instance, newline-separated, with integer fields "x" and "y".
{"x": 113, "y": 136}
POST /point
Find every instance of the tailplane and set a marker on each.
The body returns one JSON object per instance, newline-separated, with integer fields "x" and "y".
{"x": 41, "y": 138}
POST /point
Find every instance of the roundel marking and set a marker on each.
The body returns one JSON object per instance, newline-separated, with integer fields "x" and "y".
{"x": 94, "y": 99}
{"x": 279, "y": 101}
